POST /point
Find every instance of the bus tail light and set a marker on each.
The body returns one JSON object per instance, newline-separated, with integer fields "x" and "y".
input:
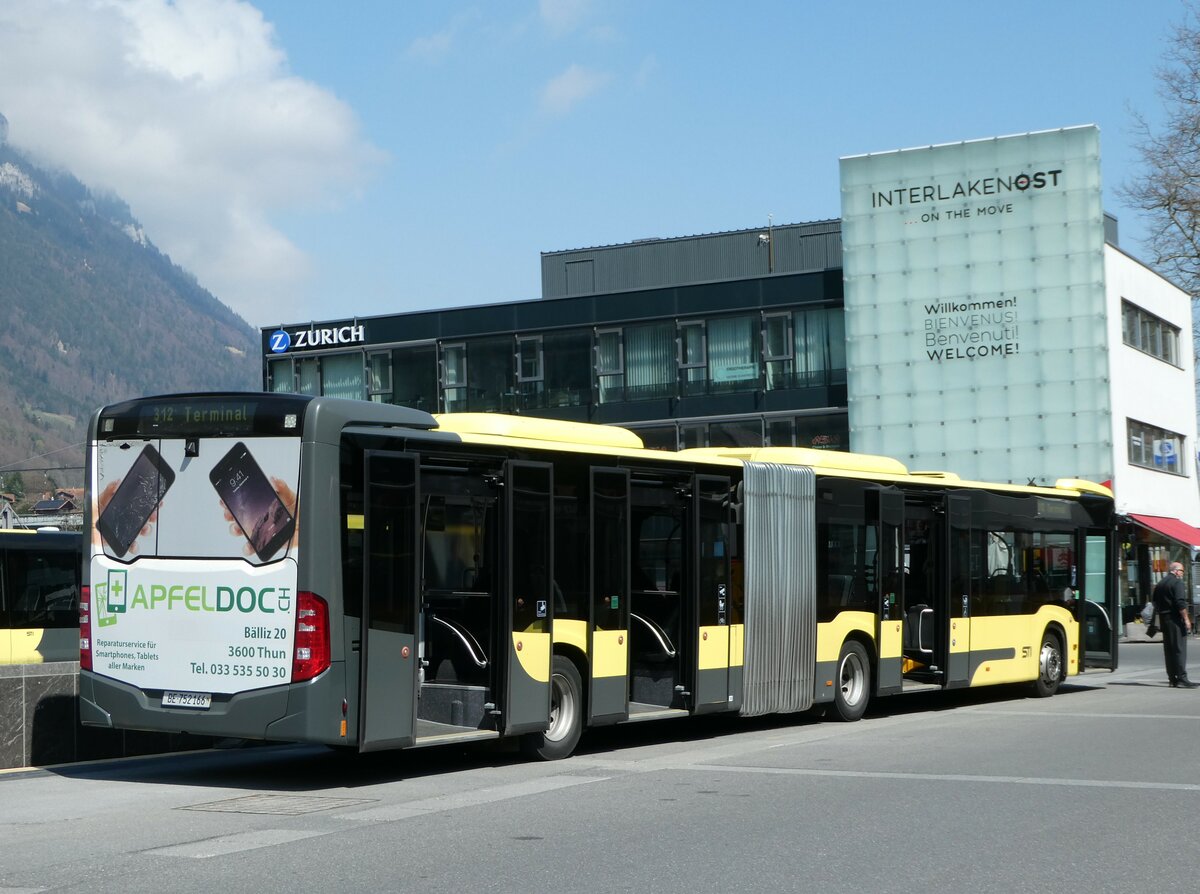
{"x": 311, "y": 655}
{"x": 85, "y": 628}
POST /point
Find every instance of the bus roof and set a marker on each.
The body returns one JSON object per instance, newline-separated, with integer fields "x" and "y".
{"x": 531, "y": 428}
{"x": 838, "y": 463}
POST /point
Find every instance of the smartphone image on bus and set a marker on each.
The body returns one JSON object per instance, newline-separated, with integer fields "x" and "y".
{"x": 137, "y": 496}
{"x": 252, "y": 501}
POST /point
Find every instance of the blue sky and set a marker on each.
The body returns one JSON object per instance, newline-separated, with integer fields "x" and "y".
{"x": 309, "y": 160}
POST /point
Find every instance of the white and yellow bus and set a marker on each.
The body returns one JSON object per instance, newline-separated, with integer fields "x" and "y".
{"x": 311, "y": 569}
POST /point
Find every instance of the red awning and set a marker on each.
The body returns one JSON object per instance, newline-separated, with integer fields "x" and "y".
{"x": 1172, "y": 528}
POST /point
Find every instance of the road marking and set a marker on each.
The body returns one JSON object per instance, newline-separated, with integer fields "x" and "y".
{"x": 232, "y": 844}
{"x": 950, "y": 777}
{"x": 1066, "y": 715}
{"x": 424, "y": 807}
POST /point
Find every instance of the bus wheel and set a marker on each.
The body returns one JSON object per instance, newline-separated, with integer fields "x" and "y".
{"x": 853, "y": 683}
{"x": 1050, "y": 666}
{"x": 566, "y": 715}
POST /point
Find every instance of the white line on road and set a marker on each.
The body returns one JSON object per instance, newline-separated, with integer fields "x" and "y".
{"x": 231, "y": 844}
{"x": 410, "y": 809}
{"x": 1066, "y": 715}
{"x": 950, "y": 777}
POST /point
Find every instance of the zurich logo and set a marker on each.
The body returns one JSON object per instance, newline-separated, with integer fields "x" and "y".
{"x": 280, "y": 341}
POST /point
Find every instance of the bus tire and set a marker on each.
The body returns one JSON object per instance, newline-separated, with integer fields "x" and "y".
{"x": 566, "y": 715}
{"x": 1050, "y": 666}
{"x": 853, "y": 682}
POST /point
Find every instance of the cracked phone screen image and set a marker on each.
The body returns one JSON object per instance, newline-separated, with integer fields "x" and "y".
{"x": 252, "y": 502}
{"x": 137, "y": 496}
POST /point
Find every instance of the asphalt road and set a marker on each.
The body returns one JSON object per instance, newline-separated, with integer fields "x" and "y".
{"x": 978, "y": 791}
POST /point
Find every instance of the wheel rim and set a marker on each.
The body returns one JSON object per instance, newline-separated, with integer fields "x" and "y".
{"x": 853, "y": 679}
{"x": 1051, "y": 663}
{"x": 562, "y": 708}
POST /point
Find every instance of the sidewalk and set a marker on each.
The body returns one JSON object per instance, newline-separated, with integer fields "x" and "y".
{"x": 1135, "y": 632}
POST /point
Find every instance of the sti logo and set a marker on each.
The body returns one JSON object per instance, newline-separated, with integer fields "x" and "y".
{"x": 280, "y": 342}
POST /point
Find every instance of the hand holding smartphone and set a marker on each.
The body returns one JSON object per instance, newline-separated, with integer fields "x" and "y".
{"x": 132, "y": 503}
{"x": 252, "y": 502}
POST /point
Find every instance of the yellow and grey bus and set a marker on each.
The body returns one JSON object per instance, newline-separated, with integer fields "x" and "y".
{"x": 310, "y": 569}
{"x": 39, "y": 596}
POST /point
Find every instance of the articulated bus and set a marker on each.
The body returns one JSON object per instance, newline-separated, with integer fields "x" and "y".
{"x": 39, "y": 596}
{"x": 309, "y": 569}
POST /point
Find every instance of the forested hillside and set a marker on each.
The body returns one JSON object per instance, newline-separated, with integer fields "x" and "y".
{"x": 92, "y": 312}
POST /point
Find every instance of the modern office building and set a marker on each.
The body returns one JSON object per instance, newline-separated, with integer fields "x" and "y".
{"x": 979, "y": 318}
{"x": 726, "y": 339}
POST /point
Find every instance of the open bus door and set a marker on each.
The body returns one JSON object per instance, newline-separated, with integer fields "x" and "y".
{"x": 608, "y": 694}
{"x": 958, "y": 584}
{"x": 388, "y": 689}
{"x": 1098, "y": 608}
{"x": 712, "y": 597}
{"x": 529, "y": 518}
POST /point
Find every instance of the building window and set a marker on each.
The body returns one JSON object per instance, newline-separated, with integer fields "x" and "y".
{"x": 414, "y": 377}
{"x": 826, "y": 431}
{"x": 1150, "y": 334}
{"x": 657, "y": 437}
{"x": 568, "y": 367}
{"x": 777, "y": 350}
{"x": 454, "y": 378}
{"x": 1155, "y": 448}
{"x": 283, "y": 379}
{"x": 342, "y": 375}
{"x": 736, "y": 433}
{"x": 610, "y": 365}
{"x": 636, "y": 363}
{"x": 649, "y": 361}
{"x": 733, "y": 354}
{"x": 379, "y": 377}
{"x": 693, "y": 357}
{"x": 490, "y": 387}
{"x": 308, "y": 376}
{"x": 530, "y": 366}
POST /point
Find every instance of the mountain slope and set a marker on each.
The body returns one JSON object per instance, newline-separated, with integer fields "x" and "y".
{"x": 91, "y": 312}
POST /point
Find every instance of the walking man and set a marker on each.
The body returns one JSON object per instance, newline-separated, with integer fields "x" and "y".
{"x": 1171, "y": 603}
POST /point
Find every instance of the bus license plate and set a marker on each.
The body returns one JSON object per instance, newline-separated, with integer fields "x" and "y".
{"x": 186, "y": 699}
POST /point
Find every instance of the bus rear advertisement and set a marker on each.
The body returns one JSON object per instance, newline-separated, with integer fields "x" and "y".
{"x": 310, "y": 569}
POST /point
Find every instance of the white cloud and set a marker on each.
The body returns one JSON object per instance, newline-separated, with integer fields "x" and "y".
{"x": 567, "y": 90}
{"x": 433, "y": 47}
{"x": 563, "y": 16}
{"x": 187, "y": 110}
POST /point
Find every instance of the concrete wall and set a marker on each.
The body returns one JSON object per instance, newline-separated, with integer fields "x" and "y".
{"x": 39, "y": 721}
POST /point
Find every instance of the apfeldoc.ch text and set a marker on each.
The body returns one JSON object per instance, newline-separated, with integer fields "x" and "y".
{"x": 984, "y": 186}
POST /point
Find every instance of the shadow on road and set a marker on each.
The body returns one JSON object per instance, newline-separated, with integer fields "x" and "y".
{"x": 309, "y": 768}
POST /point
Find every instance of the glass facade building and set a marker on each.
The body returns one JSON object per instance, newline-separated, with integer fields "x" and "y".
{"x": 750, "y": 358}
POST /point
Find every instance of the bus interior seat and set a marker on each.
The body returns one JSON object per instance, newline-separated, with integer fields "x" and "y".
{"x": 916, "y": 619}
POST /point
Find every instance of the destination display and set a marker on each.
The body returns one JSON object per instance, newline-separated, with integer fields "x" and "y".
{"x": 206, "y": 417}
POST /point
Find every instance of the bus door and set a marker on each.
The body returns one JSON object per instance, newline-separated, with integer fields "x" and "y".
{"x": 608, "y": 693}
{"x": 1098, "y": 608}
{"x": 660, "y": 543}
{"x": 924, "y": 593}
{"x": 388, "y": 688}
{"x": 958, "y": 570}
{"x": 711, "y": 596}
{"x": 888, "y": 512}
{"x": 529, "y": 599}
